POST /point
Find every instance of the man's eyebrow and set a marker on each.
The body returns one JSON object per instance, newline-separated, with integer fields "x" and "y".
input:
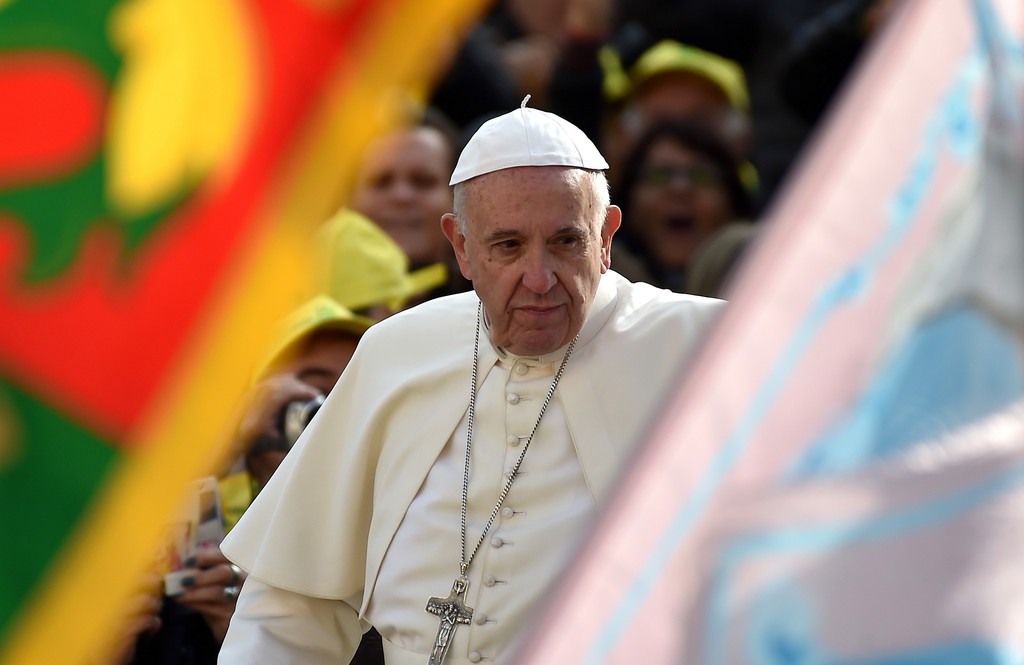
{"x": 313, "y": 373}
{"x": 501, "y": 234}
{"x": 577, "y": 230}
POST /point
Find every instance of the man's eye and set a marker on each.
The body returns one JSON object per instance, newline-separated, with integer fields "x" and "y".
{"x": 507, "y": 244}
{"x": 567, "y": 240}
{"x": 424, "y": 181}
{"x": 381, "y": 181}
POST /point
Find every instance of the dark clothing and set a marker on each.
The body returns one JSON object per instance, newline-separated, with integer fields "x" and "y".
{"x": 184, "y": 638}
{"x": 477, "y": 86}
{"x": 820, "y": 57}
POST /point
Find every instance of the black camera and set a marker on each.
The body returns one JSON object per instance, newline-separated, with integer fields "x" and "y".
{"x": 296, "y": 415}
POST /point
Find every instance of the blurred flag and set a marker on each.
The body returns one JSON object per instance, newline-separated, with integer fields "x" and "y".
{"x": 840, "y": 477}
{"x": 162, "y": 165}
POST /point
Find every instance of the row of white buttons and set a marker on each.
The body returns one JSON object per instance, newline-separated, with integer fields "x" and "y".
{"x": 497, "y": 541}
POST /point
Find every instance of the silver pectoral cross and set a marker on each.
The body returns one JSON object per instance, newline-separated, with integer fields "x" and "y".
{"x": 452, "y": 611}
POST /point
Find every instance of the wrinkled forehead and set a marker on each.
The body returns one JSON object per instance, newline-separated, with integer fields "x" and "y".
{"x": 522, "y": 186}
{"x": 534, "y": 177}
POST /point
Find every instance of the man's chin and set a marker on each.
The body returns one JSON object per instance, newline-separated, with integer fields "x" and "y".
{"x": 536, "y": 344}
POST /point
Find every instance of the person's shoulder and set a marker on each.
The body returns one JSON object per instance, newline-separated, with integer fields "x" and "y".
{"x": 642, "y": 298}
{"x": 433, "y": 318}
{"x": 645, "y": 312}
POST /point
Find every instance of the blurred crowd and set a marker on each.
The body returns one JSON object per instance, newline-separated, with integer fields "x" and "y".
{"x": 701, "y": 108}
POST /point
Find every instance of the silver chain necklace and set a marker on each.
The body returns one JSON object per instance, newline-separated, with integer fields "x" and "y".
{"x": 452, "y": 610}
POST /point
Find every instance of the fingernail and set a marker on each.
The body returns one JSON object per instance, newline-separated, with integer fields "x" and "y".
{"x": 189, "y": 562}
{"x": 188, "y": 581}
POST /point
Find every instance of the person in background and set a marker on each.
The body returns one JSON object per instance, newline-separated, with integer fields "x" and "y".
{"x": 315, "y": 344}
{"x": 313, "y": 348}
{"x": 402, "y": 185}
{"x": 362, "y": 268}
{"x": 674, "y": 81}
{"x": 759, "y": 35}
{"x": 679, "y": 186}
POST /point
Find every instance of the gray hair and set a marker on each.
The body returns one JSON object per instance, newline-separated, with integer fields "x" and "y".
{"x": 577, "y": 178}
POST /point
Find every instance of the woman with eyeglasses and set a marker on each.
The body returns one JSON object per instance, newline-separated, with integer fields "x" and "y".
{"x": 679, "y": 186}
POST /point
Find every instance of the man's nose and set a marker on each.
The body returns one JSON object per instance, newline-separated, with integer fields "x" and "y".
{"x": 402, "y": 190}
{"x": 539, "y": 274}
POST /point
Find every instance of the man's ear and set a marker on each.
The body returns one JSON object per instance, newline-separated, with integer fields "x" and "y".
{"x": 612, "y": 222}
{"x": 450, "y": 227}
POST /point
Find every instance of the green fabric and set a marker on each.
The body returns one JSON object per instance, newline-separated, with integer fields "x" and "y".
{"x": 47, "y": 481}
{"x": 58, "y": 213}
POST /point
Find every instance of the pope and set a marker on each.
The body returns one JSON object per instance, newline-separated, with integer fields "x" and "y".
{"x": 441, "y": 487}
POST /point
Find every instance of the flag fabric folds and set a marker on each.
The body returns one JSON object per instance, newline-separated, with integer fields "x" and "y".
{"x": 840, "y": 476}
{"x": 163, "y": 165}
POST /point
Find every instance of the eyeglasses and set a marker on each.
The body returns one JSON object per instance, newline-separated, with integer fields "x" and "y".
{"x": 696, "y": 175}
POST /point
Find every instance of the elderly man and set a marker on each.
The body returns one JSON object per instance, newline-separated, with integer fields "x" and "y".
{"x": 439, "y": 489}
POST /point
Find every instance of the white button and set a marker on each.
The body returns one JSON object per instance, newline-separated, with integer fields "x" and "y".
{"x": 475, "y": 657}
{"x": 512, "y": 440}
{"x": 507, "y": 512}
{"x": 480, "y": 619}
{"x": 513, "y": 398}
{"x": 521, "y": 369}
{"x": 490, "y": 580}
{"x": 496, "y": 541}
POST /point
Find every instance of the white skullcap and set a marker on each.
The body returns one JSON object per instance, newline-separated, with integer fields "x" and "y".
{"x": 526, "y": 137}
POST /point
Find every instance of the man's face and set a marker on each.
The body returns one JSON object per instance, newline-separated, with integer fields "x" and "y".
{"x": 535, "y": 248}
{"x": 403, "y": 187}
{"x": 318, "y": 363}
{"x": 678, "y": 202}
{"x": 323, "y": 358}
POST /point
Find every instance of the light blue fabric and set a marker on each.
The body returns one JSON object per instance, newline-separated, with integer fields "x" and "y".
{"x": 952, "y": 371}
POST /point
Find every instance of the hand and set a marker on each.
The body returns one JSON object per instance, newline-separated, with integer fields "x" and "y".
{"x": 142, "y": 616}
{"x": 213, "y": 591}
{"x": 265, "y": 402}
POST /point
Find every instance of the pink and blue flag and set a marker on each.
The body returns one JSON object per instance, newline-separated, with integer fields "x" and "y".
{"x": 839, "y": 478}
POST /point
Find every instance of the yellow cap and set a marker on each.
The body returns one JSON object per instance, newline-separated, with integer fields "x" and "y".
{"x": 359, "y": 265}
{"x": 671, "y": 56}
{"x": 319, "y": 313}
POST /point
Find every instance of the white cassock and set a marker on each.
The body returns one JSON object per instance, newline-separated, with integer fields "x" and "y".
{"x": 361, "y": 525}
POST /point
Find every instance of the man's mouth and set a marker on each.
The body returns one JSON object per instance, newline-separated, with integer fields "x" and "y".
{"x": 538, "y": 310}
{"x": 680, "y": 224}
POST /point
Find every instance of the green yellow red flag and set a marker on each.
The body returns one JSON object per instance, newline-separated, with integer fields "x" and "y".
{"x": 162, "y": 166}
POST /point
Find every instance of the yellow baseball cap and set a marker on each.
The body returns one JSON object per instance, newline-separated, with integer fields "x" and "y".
{"x": 319, "y": 313}
{"x": 669, "y": 56}
{"x": 358, "y": 265}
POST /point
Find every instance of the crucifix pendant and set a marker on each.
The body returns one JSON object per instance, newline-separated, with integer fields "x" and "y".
{"x": 451, "y": 611}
